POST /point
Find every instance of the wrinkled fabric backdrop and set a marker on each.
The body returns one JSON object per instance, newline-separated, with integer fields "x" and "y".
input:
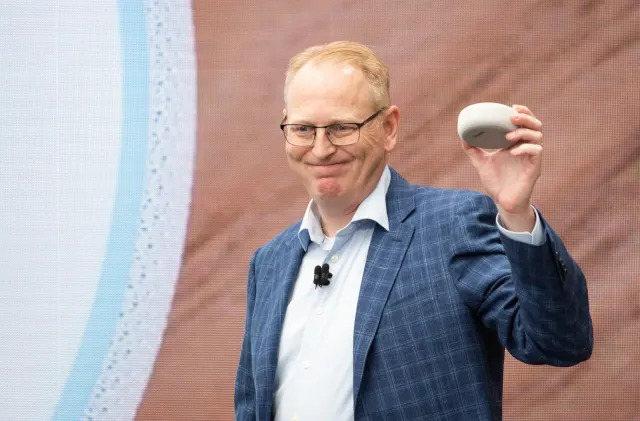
{"x": 575, "y": 64}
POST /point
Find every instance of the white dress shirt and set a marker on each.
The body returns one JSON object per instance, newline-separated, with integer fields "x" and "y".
{"x": 314, "y": 376}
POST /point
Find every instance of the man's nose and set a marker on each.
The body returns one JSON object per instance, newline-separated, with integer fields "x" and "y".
{"x": 322, "y": 146}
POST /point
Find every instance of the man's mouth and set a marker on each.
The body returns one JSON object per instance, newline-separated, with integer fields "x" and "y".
{"x": 326, "y": 169}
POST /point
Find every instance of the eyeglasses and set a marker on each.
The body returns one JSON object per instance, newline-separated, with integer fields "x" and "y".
{"x": 340, "y": 134}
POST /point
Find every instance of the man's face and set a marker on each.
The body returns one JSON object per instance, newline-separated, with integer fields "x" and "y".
{"x": 327, "y": 93}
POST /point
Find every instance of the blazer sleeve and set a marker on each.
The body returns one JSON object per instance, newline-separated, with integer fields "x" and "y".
{"x": 245, "y": 394}
{"x": 533, "y": 297}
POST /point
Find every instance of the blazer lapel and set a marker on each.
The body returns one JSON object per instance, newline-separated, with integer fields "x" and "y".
{"x": 384, "y": 259}
{"x": 288, "y": 266}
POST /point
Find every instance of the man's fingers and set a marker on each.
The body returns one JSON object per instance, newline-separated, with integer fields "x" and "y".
{"x": 526, "y": 120}
{"x": 475, "y": 154}
{"x": 525, "y": 135}
{"x": 526, "y": 149}
{"x": 522, "y": 109}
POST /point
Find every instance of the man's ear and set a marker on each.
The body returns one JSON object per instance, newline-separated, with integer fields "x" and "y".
{"x": 390, "y": 126}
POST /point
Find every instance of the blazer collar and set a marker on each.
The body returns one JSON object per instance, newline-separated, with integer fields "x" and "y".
{"x": 400, "y": 199}
{"x": 386, "y": 253}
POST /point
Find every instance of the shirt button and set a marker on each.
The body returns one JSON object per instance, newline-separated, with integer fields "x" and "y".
{"x": 305, "y": 364}
{"x": 334, "y": 258}
{"x": 319, "y": 310}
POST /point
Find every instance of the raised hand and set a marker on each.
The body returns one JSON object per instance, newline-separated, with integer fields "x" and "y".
{"x": 509, "y": 175}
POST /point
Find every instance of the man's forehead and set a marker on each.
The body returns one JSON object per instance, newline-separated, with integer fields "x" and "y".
{"x": 343, "y": 81}
{"x": 323, "y": 72}
{"x": 347, "y": 69}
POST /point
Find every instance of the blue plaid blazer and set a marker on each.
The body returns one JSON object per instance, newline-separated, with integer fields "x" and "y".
{"x": 443, "y": 294}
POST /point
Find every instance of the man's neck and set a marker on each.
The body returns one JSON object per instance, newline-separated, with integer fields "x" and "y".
{"x": 331, "y": 223}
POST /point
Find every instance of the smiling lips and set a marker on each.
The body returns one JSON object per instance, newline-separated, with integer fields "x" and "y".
{"x": 326, "y": 170}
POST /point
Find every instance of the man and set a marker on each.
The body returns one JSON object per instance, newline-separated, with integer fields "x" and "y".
{"x": 428, "y": 286}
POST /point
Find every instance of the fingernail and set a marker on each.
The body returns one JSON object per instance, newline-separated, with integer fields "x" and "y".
{"x": 516, "y": 116}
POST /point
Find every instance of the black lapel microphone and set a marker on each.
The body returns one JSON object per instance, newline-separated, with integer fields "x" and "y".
{"x": 321, "y": 275}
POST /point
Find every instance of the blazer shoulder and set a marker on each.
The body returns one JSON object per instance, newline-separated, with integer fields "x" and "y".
{"x": 437, "y": 200}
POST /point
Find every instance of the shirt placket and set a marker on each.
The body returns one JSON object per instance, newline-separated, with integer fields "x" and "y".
{"x": 310, "y": 357}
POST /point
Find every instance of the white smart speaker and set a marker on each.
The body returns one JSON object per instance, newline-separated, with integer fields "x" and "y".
{"x": 485, "y": 125}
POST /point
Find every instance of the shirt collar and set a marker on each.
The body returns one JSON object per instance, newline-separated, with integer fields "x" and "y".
{"x": 373, "y": 208}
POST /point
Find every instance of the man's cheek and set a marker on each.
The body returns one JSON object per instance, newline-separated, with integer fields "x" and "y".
{"x": 293, "y": 152}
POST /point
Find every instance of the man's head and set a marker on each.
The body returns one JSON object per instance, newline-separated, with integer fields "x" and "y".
{"x": 345, "y": 53}
{"x": 341, "y": 82}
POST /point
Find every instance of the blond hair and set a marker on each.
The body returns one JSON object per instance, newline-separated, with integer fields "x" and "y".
{"x": 346, "y": 52}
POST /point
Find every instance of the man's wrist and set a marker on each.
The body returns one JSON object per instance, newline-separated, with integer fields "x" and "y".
{"x": 518, "y": 222}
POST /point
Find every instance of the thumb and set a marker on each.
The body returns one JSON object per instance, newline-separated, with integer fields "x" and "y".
{"x": 475, "y": 154}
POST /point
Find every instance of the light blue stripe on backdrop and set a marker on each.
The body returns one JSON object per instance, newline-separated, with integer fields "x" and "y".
{"x": 114, "y": 277}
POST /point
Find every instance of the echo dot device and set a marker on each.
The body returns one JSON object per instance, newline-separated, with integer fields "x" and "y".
{"x": 485, "y": 124}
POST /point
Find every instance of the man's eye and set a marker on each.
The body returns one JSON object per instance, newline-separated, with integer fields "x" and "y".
{"x": 302, "y": 129}
{"x": 342, "y": 129}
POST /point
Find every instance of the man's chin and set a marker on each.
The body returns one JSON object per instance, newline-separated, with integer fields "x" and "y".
{"x": 328, "y": 187}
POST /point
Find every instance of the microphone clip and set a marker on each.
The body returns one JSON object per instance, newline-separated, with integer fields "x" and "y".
{"x": 321, "y": 275}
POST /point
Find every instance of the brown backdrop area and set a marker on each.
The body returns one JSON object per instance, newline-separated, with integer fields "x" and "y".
{"x": 575, "y": 63}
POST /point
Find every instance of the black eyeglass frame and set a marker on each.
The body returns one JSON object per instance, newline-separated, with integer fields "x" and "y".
{"x": 315, "y": 129}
